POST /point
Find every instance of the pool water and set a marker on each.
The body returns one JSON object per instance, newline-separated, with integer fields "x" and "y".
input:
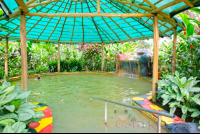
{"x": 68, "y": 98}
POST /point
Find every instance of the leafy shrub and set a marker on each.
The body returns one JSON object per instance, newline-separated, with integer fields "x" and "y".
{"x": 14, "y": 72}
{"x": 1, "y": 73}
{"x": 73, "y": 63}
{"x": 180, "y": 93}
{"x": 15, "y": 113}
{"x": 53, "y": 65}
{"x": 42, "y": 69}
{"x": 66, "y": 66}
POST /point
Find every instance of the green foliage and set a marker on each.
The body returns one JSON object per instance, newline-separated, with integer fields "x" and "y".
{"x": 189, "y": 26}
{"x": 180, "y": 93}
{"x": 42, "y": 69}
{"x": 197, "y": 10}
{"x": 187, "y": 56}
{"x": 66, "y": 66}
{"x": 42, "y": 57}
{"x": 15, "y": 112}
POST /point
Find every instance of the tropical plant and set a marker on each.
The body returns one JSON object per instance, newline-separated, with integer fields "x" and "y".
{"x": 189, "y": 26}
{"x": 15, "y": 113}
{"x": 180, "y": 93}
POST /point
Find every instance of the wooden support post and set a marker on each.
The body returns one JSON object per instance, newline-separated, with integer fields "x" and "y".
{"x": 24, "y": 77}
{"x": 54, "y": 58}
{"x": 102, "y": 52}
{"x": 174, "y": 53}
{"x": 6, "y": 58}
{"x": 139, "y": 69}
{"x": 58, "y": 57}
{"x": 155, "y": 58}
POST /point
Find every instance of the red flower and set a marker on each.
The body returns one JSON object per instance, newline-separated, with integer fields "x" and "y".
{"x": 184, "y": 31}
{"x": 192, "y": 46}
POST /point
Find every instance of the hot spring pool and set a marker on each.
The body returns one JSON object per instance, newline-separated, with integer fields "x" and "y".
{"x": 68, "y": 98}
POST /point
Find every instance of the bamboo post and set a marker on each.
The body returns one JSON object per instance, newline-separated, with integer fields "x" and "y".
{"x": 54, "y": 55}
{"x": 174, "y": 53}
{"x": 139, "y": 69}
{"x": 58, "y": 57}
{"x": 102, "y": 62}
{"x": 155, "y": 58}
{"x": 6, "y": 58}
{"x": 24, "y": 77}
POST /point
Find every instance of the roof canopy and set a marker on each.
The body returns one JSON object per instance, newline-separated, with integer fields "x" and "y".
{"x": 81, "y": 21}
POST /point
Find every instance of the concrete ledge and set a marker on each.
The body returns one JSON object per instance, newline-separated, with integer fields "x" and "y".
{"x": 144, "y": 102}
{"x": 60, "y": 73}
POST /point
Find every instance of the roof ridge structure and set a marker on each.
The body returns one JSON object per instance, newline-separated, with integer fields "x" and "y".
{"x": 77, "y": 21}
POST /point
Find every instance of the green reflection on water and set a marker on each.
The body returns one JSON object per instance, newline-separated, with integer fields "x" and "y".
{"x": 68, "y": 98}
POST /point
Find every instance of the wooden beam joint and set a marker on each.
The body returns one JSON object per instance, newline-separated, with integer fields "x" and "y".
{"x": 22, "y": 5}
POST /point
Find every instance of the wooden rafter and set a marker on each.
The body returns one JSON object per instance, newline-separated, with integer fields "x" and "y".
{"x": 162, "y": 16}
{"x": 158, "y": 2}
{"x": 22, "y": 5}
{"x": 30, "y": 2}
{"x": 127, "y": 22}
{"x": 139, "y": 19}
{"x": 148, "y": 2}
{"x": 184, "y": 6}
{"x": 47, "y": 22}
{"x": 189, "y": 3}
{"x": 116, "y": 23}
{"x": 57, "y": 22}
{"x": 38, "y": 21}
{"x": 18, "y": 10}
{"x": 146, "y": 37}
{"x": 146, "y": 8}
{"x": 73, "y": 25}
{"x": 42, "y": 3}
{"x": 98, "y": 6}
{"x": 65, "y": 20}
{"x": 118, "y": 26}
{"x": 140, "y": 12}
{"x": 95, "y": 23}
{"x": 19, "y": 25}
{"x": 104, "y": 32}
{"x": 157, "y": 10}
{"x": 110, "y": 29}
{"x": 82, "y": 21}
{"x": 90, "y": 14}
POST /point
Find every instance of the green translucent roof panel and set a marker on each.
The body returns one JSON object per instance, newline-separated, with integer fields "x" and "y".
{"x": 94, "y": 29}
{"x": 11, "y": 4}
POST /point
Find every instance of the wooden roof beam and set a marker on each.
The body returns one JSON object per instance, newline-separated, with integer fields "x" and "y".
{"x": 30, "y": 2}
{"x": 189, "y": 3}
{"x": 161, "y": 15}
{"x": 42, "y": 3}
{"x": 185, "y": 6}
{"x": 18, "y": 10}
{"x": 90, "y": 14}
{"x": 22, "y": 5}
{"x": 157, "y": 10}
{"x": 148, "y": 2}
{"x": 146, "y": 8}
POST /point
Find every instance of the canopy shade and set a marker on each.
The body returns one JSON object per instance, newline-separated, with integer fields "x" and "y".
{"x": 92, "y": 27}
